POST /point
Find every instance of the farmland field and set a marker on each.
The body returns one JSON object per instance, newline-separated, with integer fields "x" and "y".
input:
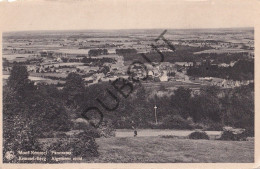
{"x": 222, "y": 51}
{"x": 170, "y": 84}
{"x": 18, "y": 57}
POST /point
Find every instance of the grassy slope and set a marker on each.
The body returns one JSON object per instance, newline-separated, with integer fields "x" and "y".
{"x": 169, "y": 150}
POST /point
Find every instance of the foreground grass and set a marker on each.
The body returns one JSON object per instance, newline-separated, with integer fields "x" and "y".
{"x": 170, "y": 150}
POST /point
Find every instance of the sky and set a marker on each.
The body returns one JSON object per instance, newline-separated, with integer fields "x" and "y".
{"x": 126, "y": 14}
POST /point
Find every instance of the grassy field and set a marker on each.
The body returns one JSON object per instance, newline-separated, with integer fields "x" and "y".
{"x": 171, "y": 150}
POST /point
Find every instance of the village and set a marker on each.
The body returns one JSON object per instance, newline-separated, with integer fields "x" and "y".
{"x": 98, "y": 58}
{"x": 49, "y": 60}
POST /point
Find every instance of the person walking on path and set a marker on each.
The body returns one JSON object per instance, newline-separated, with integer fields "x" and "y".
{"x": 135, "y": 131}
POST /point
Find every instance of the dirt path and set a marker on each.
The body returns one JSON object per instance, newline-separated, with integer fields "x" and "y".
{"x": 160, "y": 132}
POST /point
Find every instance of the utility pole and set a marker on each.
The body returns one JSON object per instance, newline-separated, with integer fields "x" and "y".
{"x": 155, "y": 114}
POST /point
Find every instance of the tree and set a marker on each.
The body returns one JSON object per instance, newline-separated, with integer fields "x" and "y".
{"x": 18, "y": 133}
{"x": 210, "y": 103}
{"x": 96, "y": 52}
{"x": 181, "y": 100}
{"x": 239, "y": 108}
{"x": 196, "y": 109}
{"x": 74, "y": 89}
{"x": 18, "y": 80}
{"x": 105, "y": 70}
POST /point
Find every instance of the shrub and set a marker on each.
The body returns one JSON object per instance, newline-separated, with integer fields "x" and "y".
{"x": 82, "y": 145}
{"x": 91, "y": 132}
{"x": 231, "y": 136}
{"x": 46, "y": 135}
{"x": 199, "y": 135}
{"x": 227, "y": 135}
{"x": 123, "y": 124}
{"x": 197, "y": 126}
{"x": 106, "y": 129}
{"x": 215, "y": 127}
{"x": 249, "y": 132}
{"x": 87, "y": 143}
{"x": 176, "y": 122}
{"x": 61, "y": 135}
{"x": 24, "y": 141}
{"x": 82, "y": 126}
{"x": 168, "y": 136}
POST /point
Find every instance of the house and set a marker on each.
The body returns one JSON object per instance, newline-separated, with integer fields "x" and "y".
{"x": 157, "y": 79}
{"x": 46, "y": 53}
{"x": 164, "y": 77}
{"x": 186, "y": 64}
{"x": 150, "y": 73}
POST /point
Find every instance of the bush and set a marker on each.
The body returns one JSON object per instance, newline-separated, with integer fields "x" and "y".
{"x": 214, "y": 127}
{"x": 199, "y": 135}
{"x": 82, "y": 145}
{"x": 168, "y": 136}
{"x": 250, "y": 132}
{"x": 61, "y": 135}
{"x": 123, "y": 124}
{"x": 176, "y": 122}
{"x": 228, "y": 135}
{"x": 106, "y": 129}
{"x": 231, "y": 136}
{"x": 197, "y": 126}
{"x": 24, "y": 141}
{"x": 46, "y": 135}
{"x": 92, "y": 131}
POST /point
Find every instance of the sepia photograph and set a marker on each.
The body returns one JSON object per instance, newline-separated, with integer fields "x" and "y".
{"x": 129, "y": 94}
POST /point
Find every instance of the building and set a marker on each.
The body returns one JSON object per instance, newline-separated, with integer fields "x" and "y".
{"x": 164, "y": 77}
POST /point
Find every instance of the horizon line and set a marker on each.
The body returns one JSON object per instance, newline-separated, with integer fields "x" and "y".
{"x": 116, "y": 29}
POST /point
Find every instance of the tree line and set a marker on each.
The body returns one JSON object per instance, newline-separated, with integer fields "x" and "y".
{"x": 242, "y": 70}
{"x": 96, "y": 52}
